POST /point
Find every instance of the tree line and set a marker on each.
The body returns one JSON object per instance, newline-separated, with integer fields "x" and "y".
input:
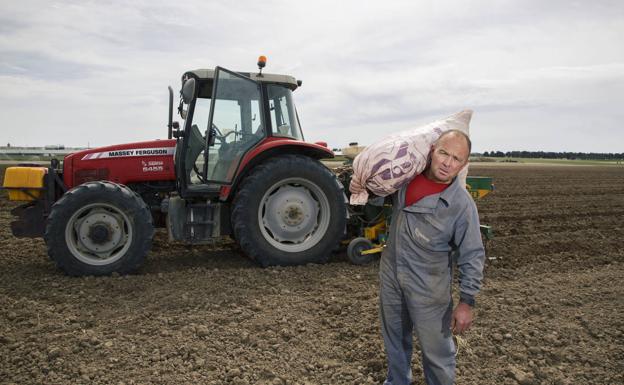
{"x": 554, "y": 155}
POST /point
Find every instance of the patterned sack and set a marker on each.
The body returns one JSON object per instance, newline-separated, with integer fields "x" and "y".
{"x": 385, "y": 166}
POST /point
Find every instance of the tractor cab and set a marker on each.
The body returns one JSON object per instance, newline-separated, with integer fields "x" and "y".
{"x": 227, "y": 115}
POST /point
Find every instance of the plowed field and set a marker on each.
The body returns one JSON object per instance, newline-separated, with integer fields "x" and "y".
{"x": 551, "y": 311}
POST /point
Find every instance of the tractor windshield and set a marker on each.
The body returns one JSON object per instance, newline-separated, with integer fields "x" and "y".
{"x": 284, "y": 120}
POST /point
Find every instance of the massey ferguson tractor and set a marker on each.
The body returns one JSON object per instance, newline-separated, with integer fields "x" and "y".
{"x": 238, "y": 165}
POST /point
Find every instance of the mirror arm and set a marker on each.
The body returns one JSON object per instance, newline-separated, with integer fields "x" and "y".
{"x": 213, "y": 135}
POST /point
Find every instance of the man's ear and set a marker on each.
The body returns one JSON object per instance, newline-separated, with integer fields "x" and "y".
{"x": 467, "y": 159}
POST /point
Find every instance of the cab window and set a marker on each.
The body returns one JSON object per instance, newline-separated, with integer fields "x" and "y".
{"x": 284, "y": 121}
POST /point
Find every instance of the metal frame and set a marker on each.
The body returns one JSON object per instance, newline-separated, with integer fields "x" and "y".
{"x": 33, "y": 226}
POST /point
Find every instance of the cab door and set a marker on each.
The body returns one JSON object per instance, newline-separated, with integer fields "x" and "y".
{"x": 236, "y": 125}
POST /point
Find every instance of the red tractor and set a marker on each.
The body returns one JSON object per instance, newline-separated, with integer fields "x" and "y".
{"x": 238, "y": 165}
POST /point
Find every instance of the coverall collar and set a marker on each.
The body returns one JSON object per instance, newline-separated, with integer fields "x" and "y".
{"x": 430, "y": 202}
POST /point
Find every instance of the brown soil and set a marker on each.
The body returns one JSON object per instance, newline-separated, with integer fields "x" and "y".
{"x": 551, "y": 311}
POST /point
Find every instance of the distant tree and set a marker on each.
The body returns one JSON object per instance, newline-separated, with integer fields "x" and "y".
{"x": 556, "y": 155}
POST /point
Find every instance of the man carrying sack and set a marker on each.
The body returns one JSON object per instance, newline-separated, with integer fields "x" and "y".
{"x": 434, "y": 223}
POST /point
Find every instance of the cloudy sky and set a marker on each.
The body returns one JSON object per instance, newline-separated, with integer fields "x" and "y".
{"x": 540, "y": 75}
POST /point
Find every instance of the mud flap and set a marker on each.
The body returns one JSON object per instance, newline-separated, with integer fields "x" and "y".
{"x": 31, "y": 221}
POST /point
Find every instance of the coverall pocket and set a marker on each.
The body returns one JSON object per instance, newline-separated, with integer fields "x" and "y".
{"x": 427, "y": 232}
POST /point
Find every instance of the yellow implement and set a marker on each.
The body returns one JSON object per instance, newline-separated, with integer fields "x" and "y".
{"x": 374, "y": 250}
{"x": 373, "y": 232}
{"x": 479, "y": 186}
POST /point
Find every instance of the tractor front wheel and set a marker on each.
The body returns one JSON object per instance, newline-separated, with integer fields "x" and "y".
{"x": 99, "y": 228}
{"x": 289, "y": 211}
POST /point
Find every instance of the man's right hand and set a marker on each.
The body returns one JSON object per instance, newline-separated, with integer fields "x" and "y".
{"x": 462, "y": 318}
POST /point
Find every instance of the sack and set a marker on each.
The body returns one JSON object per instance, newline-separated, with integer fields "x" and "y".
{"x": 385, "y": 166}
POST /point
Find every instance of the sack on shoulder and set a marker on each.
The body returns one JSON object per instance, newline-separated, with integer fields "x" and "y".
{"x": 385, "y": 166}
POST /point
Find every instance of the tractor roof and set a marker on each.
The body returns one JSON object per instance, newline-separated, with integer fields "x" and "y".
{"x": 287, "y": 80}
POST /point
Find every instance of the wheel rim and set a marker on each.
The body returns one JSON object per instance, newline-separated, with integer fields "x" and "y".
{"x": 98, "y": 234}
{"x": 293, "y": 215}
{"x": 357, "y": 251}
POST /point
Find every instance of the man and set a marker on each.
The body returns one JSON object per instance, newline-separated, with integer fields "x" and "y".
{"x": 434, "y": 223}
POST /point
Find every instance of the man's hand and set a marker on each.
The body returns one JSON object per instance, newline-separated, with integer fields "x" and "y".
{"x": 462, "y": 318}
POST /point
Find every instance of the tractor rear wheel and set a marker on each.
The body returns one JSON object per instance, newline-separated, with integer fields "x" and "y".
{"x": 289, "y": 211}
{"x": 99, "y": 228}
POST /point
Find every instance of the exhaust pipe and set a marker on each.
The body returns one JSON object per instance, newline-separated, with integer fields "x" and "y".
{"x": 170, "y": 121}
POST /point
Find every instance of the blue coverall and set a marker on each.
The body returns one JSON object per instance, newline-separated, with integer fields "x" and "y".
{"x": 416, "y": 273}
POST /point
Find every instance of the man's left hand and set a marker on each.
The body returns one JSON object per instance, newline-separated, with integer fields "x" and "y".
{"x": 462, "y": 318}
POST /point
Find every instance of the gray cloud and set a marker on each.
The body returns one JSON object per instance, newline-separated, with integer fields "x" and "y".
{"x": 40, "y": 66}
{"x": 539, "y": 75}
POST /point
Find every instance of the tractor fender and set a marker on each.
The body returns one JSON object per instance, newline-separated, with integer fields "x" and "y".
{"x": 270, "y": 148}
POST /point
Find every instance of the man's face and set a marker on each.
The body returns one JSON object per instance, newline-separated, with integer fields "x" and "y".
{"x": 447, "y": 158}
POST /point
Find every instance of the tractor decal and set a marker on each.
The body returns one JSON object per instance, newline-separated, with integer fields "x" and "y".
{"x": 162, "y": 151}
{"x": 153, "y": 166}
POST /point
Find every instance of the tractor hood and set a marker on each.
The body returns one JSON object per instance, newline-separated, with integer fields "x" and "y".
{"x": 124, "y": 163}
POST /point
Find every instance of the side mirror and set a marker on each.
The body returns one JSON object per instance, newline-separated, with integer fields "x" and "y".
{"x": 176, "y": 132}
{"x": 188, "y": 90}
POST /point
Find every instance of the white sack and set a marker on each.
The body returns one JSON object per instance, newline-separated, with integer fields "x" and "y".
{"x": 385, "y": 166}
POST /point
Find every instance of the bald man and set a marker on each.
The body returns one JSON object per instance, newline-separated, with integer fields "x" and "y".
{"x": 435, "y": 225}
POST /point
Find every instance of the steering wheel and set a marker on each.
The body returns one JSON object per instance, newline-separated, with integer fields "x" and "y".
{"x": 219, "y": 135}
